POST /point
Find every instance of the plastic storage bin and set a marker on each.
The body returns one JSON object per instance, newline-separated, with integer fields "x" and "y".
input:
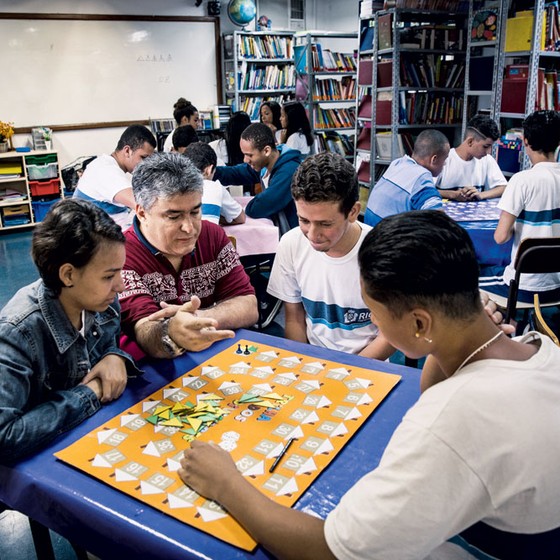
{"x": 38, "y": 172}
{"x": 44, "y": 188}
{"x": 15, "y": 215}
{"x": 40, "y": 208}
{"x": 41, "y": 159}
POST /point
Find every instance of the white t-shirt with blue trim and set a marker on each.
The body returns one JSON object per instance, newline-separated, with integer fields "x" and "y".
{"x": 328, "y": 288}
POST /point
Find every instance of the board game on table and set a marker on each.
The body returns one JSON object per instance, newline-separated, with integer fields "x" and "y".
{"x": 251, "y": 399}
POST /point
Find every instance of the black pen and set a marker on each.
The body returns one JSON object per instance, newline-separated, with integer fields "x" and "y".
{"x": 282, "y": 453}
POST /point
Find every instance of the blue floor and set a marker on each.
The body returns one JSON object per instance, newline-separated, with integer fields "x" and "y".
{"x": 18, "y": 270}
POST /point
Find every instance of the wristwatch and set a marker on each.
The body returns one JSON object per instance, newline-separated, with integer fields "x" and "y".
{"x": 171, "y": 347}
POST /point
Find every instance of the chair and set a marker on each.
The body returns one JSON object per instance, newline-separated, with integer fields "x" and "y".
{"x": 540, "y": 323}
{"x": 534, "y": 256}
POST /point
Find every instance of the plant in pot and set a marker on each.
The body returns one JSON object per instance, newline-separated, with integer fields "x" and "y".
{"x": 6, "y": 132}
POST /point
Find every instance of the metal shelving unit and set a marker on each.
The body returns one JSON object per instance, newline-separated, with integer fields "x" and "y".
{"x": 238, "y": 66}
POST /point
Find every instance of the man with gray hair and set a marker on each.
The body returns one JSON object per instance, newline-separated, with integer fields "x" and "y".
{"x": 183, "y": 278}
{"x": 408, "y": 183}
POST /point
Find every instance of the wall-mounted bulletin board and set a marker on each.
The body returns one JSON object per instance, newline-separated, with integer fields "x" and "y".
{"x": 87, "y": 71}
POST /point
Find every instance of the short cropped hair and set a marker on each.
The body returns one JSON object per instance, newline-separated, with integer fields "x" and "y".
{"x": 183, "y": 108}
{"x": 326, "y": 177}
{"x": 421, "y": 259}
{"x": 183, "y": 136}
{"x": 541, "y": 129}
{"x": 164, "y": 175}
{"x": 430, "y": 143}
{"x": 72, "y": 232}
{"x": 483, "y": 127}
{"x": 201, "y": 154}
{"x": 259, "y": 135}
{"x": 135, "y": 137}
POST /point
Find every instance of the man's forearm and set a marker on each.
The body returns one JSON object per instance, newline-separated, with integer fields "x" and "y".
{"x": 235, "y": 313}
{"x": 149, "y": 337}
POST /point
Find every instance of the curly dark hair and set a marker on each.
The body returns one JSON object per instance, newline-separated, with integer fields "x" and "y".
{"x": 326, "y": 177}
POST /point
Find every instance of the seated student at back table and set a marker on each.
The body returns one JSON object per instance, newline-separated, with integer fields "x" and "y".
{"x": 530, "y": 206}
{"x": 315, "y": 271}
{"x": 476, "y": 454}
{"x": 107, "y": 181}
{"x": 184, "y": 112}
{"x": 183, "y": 136}
{"x": 178, "y": 261}
{"x": 470, "y": 172}
{"x": 217, "y": 204}
{"x": 296, "y": 129}
{"x": 269, "y": 114}
{"x": 227, "y": 148}
{"x": 408, "y": 183}
{"x": 59, "y": 359}
{"x": 271, "y": 166}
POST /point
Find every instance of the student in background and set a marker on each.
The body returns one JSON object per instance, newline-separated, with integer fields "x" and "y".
{"x": 470, "y": 172}
{"x": 184, "y": 113}
{"x": 217, "y": 204}
{"x": 183, "y": 136}
{"x": 59, "y": 360}
{"x": 530, "y": 206}
{"x": 227, "y": 148}
{"x": 440, "y": 488}
{"x": 315, "y": 271}
{"x": 270, "y": 166}
{"x": 408, "y": 183}
{"x": 270, "y": 115}
{"x": 182, "y": 263}
{"x": 107, "y": 181}
{"x": 296, "y": 129}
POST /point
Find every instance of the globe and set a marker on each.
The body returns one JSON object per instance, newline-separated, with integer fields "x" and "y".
{"x": 241, "y": 12}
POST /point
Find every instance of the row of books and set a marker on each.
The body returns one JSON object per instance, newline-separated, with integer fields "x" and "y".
{"x": 446, "y": 37}
{"x": 383, "y": 143}
{"x": 455, "y": 6}
{"x": 548, "y": 92}
{"x": 323, "y": 60}
{"x": 552, "y": 27}
{"x": 268, "y": 77}
{"x": 333, "y": 142}
{"x": 334, "y": 118}
{"x": 432, "y": 71}
{"x": 331, "y": 89}
{"x": 368, "y": 7}
{"x": 430, "y": 108}
{"x": 265, "y": 46}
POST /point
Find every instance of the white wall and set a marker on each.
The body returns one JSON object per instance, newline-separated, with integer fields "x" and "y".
{"x": 333, "y": 15}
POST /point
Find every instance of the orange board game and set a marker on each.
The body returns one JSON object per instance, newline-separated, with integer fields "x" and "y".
{"x": 252, "y": 400}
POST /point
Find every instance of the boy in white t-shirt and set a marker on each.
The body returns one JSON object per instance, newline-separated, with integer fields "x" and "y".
{"x": 218, "y": 205}
{"x": 530, "y": 206}
{"x": 315, "y": 271}
{"x": 106, "y": 182}
{"x": 470, "y": 172}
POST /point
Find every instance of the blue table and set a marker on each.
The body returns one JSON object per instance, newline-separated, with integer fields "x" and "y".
{"x": 111, "y": 524}
{"x": 480, "y": 219}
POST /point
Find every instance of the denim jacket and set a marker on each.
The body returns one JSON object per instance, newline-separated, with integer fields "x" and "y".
{"x": 43, "y": 358}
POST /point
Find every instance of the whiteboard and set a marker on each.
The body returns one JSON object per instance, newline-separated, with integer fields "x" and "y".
{"x": 58, "y": 72}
